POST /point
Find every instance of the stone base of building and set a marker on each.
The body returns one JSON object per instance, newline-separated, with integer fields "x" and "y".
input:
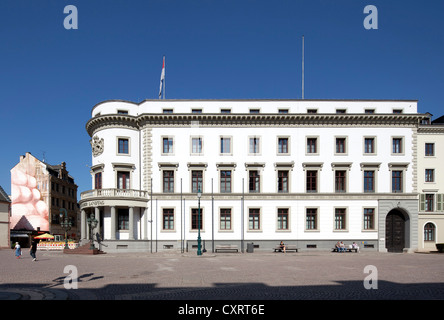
{"x": 207, "y": 245}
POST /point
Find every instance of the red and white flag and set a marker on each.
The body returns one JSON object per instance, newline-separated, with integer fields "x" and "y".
{"x": 162, "y": 78}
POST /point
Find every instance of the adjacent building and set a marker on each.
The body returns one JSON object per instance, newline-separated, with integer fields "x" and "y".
{"x": 431, "y": 184}
{"x": 40, "y": 192}
{"x": 5, "y": 211}
{"x": 307, "y": 172}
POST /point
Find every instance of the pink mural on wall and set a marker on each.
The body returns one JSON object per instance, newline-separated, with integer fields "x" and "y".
{"x": 28, "y": 209}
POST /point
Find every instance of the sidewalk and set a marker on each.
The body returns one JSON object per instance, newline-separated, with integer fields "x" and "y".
{"x": 233, "y": 276}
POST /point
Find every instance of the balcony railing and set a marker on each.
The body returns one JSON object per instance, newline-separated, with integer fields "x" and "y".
{"x": 111, "y": 193}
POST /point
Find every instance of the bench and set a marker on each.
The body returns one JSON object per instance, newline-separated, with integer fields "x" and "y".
{"x": 346, "y": 250}
{"x": 287, "y": 248}
{"x": 226, "y": 247}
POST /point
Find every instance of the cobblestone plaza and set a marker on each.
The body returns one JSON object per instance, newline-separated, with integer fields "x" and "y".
{"x": 223, "y": 276}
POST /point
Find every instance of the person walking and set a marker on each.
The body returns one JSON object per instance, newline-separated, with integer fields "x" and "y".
{"x": 33, "y": 250}
{"x": 18, "y": 250}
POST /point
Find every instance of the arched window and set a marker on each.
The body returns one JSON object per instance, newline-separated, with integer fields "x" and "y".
{"x": 429, "y": 232}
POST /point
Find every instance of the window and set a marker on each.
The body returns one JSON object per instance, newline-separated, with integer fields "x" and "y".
{"x": 369, "y": 219}
{"x": 254, "y": 181}
{"x": 123, "y": 147}
{"x": 312, "y": 145}
{"x": 312, "y": 110}
{"x": 254, "y": 110}
{"x": 196, "y": 180}
{"x": 168, "y": 219}
{"x": 340, "y": 219}
{"x": 429, "y": 202}
{"x": 341, "y": 111}
{"x": 123, "y": 219}
{"x": 397, "y": 110}
{"x": 340, "y": 181}
{"x": 122, "y": 111}
{"x": 168, "y": 181}
{"x": 397, "y": 145}
{"x": 429, "y": 232}
{"x": 369, "y": 181}
{"x": 340, "y": 145}
{"x": 283, "y": 181}
{"x": 312, "y": 179}
{"x": 123, "y": 180}
{"x": 98, "y": 180}
{"x": 429, "y": 175}
{"x": 254, "y": 219}
{"x": 196, "y": 110}
{"x": 225, "y": 219}
{"x": 369, "y": 111}
{"x": 167, "y": 110}
{"x": 167, "y": 145}
{"x": 225, "y": 111}
{"x": 283, "y": 111}
{"x": 282, "y": 145}
{"x": 429, "y": 149}
{"x": 282, "y": 219}
{"x": 254, "y": 145}
{"x": 225, "y": 145}
{"x": 396, "y": 181}
{"x": 225, "y": 181}
{"x": 196, "y": 219}
{"x": 369, "y": 146}
{"x": 196, "y": 145}
{"x": 311, "y": 219}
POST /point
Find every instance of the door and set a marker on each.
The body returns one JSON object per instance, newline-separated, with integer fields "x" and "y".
{"x": 395, "y": 231}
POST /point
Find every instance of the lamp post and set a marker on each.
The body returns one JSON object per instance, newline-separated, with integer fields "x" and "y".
{"x": 65, "y": 224}
{"x": 92, "y": 223}
{"x": 199, "y": 240}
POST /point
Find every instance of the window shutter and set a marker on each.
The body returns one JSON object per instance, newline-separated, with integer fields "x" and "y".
{"x": 439, "y": 202}
{"x": 422, "y": 202}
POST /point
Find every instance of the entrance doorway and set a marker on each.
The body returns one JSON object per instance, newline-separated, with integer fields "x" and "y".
{"x": 395, "y": 224}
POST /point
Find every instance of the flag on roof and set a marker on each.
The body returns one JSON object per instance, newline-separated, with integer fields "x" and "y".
{"x": 162, "y": 78}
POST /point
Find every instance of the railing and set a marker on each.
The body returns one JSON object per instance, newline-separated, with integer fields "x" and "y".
{"x": 126, "y": 193}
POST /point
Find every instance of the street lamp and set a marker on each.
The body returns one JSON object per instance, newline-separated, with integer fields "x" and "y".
{"x": 92, "y": 223}
{"x": 65, "y": 224}
{"x": 199, "y": 245}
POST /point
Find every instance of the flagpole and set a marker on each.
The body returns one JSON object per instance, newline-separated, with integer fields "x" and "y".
{"x": 302, "y": 67}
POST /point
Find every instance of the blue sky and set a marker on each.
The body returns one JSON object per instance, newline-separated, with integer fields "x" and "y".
{"x": 50, "y": 77}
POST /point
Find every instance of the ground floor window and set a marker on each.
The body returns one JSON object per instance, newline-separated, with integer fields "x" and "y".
{"x": 311, "y": 219}
{"x": 254, "y": 219}
{"x": 123, "y": 219}
{"x": 196, "y": 219}
{"x": 168, "y": 219}
{"x": 282, "y": 219}
{"x": 369, "y": 219}
{"x": 429, "y": 232}
{"x": 225, "y": 219}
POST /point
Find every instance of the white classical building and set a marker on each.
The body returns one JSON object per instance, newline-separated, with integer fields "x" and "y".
{"x": 307, "y": 172}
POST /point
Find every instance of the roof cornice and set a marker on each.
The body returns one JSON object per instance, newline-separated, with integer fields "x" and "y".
{"x": 252, "y": 120}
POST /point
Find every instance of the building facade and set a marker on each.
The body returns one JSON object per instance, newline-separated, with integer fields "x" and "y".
{"x": 431, "y": 185}
{"x": 307, "y": 172}
{"x": 5, "y": 212}
{"x": 40, "y": 192}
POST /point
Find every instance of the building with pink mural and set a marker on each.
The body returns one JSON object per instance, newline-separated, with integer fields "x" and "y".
{"x": 39, "y": 192}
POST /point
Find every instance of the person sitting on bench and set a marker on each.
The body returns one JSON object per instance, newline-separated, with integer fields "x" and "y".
{"x": 282, "y": 245}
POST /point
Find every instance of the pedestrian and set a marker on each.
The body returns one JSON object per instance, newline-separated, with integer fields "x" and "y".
{"x": 33, "y": 250}
{"x": 18, "y": 250}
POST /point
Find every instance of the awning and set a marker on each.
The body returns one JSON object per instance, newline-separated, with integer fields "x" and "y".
{"x": 19, "y": 235}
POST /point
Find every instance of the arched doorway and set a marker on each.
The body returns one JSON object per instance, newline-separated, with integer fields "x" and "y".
{"x": 395, "y": 234}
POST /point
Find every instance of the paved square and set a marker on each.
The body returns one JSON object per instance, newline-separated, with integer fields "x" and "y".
{"x": 223, "y": 276}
